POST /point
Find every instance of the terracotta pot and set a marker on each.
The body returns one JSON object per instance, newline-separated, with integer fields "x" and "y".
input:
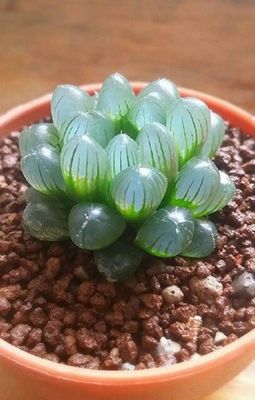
{"x": 26, "y": 377}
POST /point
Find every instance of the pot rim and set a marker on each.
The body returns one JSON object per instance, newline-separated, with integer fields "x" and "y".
{"x": 15, "y": 119}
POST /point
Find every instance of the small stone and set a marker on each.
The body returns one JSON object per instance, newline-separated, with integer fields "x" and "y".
{"x": 172, "y": 294}
{"x": 244, "y": 285}
{"x": 128, "y": 367}
{"x": 81, "y": 273}
{"x": 206, "y": 289}
{"x": 158, "y": 267}
{"x": 113, "y": 360}
{"x": 167, "y": 348}
{"x": 249, "y": 166}
{"x": 53, "y": 267}
{"x": 195, "y": 356}
{"x": 5, "y": 306}
{"x": 219, "y": 337}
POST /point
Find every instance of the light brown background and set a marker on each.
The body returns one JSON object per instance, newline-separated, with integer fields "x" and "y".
{"x": 203, "y": 44}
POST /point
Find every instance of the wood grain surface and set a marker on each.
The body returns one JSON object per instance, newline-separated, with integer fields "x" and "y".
{"x": 205, "y": 45}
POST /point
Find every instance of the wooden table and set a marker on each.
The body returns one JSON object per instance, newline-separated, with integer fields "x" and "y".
{"x": 207, "y": 45}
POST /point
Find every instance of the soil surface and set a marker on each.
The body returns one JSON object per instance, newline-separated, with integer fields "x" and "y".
{"x": 55, "y": 305}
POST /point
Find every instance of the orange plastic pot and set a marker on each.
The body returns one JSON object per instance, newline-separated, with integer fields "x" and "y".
{"x": 26, "y": 377}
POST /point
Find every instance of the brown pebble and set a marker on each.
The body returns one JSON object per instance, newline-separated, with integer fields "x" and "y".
{"x": 53, "y": 267}
{"x": 83, "y": 361}
{"x": 5, "y": 306}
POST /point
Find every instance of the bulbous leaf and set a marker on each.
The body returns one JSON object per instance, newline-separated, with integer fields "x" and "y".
{"x": 119, "y": 261}
{"x": 189, "y": 120}
{"x": 33, "y": 196}
{"x": 222, "y": 197}
{"x": 138, "y": 191}
{"x": 215, "y": 136}
{"x": 42, "y": 133}
{"x": 93, "y": 124}
{"x": 166, "y": 90}
{"x": 94, "y": 99}
{"x": 66, "y": 100}
{"x": 41, "y": 168}
{"x": 84, "y": 166}
{"x": 157, "y": 149}
{"x": 115, "y": 96}
{"x": 94, "y": 226}
{"x": 167, "y": 232}
{"x": 204, "y": 240}
{"x": 122, "y": 152}
{"x": 146, "y": 110}
{"x": 196, "y": 183}
{"x": 46, "y": 220}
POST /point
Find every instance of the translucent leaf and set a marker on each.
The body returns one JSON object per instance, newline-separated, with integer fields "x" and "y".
{"x": 84, "y": 166}
{"x": 115, "y": 96}
{"x": 166, "y": 90}
{"x": 43, "y": 133}
{"x": 138, "y": 191}
{"x": 189, "y": 120}
{"x": 223, "y": 196}
{"x": 33, "y": 196}
{"x": 167, "y": 232}
{"x": 93, "y": 124}
{"x": 122, "y": 152}
{"x": 196, "y": 183}
{"x": 46, "y": 220}
{"x": 94, "y": 99}
{"x": 146, "y": 110}
{"x": 66, "y": 100}
{"x": 157, "y": 149}
{"x": 119, "y": 261}
{"x": 41, "y": 168}
{"x": 215, "y": 136}
{"x": 204, "y": 240}
{"x": 94, "y": 226}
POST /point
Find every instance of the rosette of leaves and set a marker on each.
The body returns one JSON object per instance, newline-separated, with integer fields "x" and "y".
{"x": 123, "y": 174}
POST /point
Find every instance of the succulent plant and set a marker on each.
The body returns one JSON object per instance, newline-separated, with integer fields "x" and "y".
{"x": 124, "y": 175}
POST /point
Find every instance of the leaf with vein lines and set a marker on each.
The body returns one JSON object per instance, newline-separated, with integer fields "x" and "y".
{"x": 215, "y": 136}
{"x": 157, "y": 149}
{"x": 84, "y": 165}
{"x": 138, "y": 191}
{"x": 42, "y": 133}
{"x": 93, "y": 124}
{"x": 196, "y": 183}
{"x": 146, "y": 110}
{"x": 95, "y": 226}
{"x": 204, "y": 240}
{"x": 189, "y": 120}
{"x": 223, "y": 196}
{"x": 167, "y": 232}
{"x": 41, "y": 168}
{"x": 122, "y": 152}
{"x": 66, "y": 100}
{"x": 115, "y": 96}
{"x": 164, "y": 88}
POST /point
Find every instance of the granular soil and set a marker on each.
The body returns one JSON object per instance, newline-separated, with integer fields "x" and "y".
{"x": 55, "y": 305}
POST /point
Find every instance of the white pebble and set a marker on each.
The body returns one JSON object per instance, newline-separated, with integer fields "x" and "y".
{"x": 195, "y": 356}
{"x": 127, "y": 367}
{"x": 172, "y": 294}
{"x": 167, "y": 347}
{"x": 219, "y": 337}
